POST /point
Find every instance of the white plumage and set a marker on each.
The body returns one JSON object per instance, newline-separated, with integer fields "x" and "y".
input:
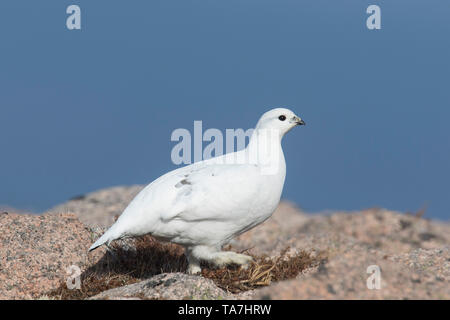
{"x": 204, "y": 205}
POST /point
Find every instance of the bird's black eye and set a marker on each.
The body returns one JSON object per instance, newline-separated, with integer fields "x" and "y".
{"x": 282, "y": 118}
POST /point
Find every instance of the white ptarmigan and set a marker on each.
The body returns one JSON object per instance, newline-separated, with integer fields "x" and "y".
{"x": 204, "y": 205}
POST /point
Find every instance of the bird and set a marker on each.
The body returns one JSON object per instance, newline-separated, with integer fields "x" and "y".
{"x": 204, "y": 205}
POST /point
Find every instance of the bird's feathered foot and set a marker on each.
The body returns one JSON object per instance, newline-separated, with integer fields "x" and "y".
{"x": 228, "y": 257}
{"x": 194, "y": 263}
{"x": 212, "y": 255}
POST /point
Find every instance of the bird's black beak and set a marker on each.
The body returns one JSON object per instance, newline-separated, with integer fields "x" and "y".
{"x": 299, "y": 122}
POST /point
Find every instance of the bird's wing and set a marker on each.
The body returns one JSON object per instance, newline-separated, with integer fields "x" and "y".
{"x": 211, "y": 192}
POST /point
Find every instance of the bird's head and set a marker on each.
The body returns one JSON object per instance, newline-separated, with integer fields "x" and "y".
{"x": 280, "y": 119}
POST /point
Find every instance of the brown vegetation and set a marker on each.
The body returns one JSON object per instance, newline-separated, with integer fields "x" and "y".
{"x": 149, "y": 257}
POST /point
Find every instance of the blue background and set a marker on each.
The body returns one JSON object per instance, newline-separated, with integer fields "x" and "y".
{"x": 84, "y": 110}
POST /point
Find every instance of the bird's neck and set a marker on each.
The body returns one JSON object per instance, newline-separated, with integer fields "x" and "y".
{"x": 264, "y": 149}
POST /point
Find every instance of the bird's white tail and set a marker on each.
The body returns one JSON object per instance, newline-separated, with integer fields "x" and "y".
{"x": 106, "y": 237}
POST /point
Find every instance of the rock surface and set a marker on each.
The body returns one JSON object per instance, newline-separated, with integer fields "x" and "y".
{"x": 412, "y": 253}
{"x": 421, "y": 274}
{"x": 99, "y": 208}
{"x": 168, "y": 286}
{"x": 36, "y": 250}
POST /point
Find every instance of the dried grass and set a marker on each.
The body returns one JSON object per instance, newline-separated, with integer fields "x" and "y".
{"x": 262, "y": 272}
{"x": 120, "y": 267}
